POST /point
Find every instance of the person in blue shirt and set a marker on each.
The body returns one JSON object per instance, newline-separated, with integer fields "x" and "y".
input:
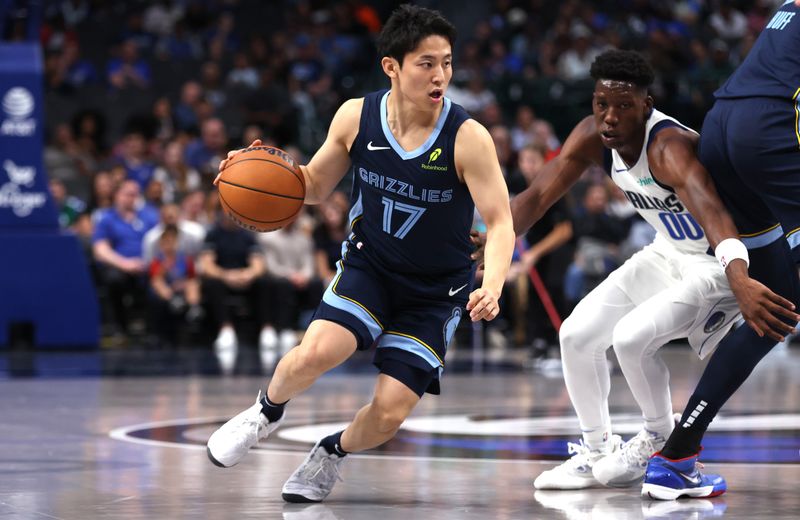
{"x": 117, "y": 247}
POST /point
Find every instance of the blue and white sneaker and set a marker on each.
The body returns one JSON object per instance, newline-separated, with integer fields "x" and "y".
{"x": 667, "y": 479}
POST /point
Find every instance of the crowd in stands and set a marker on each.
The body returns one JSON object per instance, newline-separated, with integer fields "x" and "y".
{"x": 145, "y": 97}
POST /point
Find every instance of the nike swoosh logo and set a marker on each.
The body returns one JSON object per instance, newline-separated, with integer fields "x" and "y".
{"x": 372, "y": 148}
{"x": 622, "y": 170}
{"x": 690, "y": 479}
{"x": 452, "y": 291}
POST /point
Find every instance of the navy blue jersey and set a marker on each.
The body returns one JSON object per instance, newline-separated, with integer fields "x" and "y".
{"x": 772, "y": 68}
{"x": 410, "y": 212}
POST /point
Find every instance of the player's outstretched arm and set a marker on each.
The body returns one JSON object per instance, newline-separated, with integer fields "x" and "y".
{"x": 582, "y": 149}
{"x": 476, "y": 160}
{"x": 331, "y": 162}
{"x": 674, "y": 162}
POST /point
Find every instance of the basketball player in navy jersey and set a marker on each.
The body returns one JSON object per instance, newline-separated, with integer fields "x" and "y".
{"x": 750, "y": 144}
{"x": 421, "y": 166}
{"x": 671, "y": 289}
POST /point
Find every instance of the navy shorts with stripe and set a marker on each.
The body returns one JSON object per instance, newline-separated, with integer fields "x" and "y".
{"x": 409, "y": 318}
{"x": 751, "y": 148}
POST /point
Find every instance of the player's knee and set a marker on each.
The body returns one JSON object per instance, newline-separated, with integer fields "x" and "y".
{"x": 630, "y": 336}
{"x": 573, "y": 336}
{"x": 388, "y": 419}
{"x": 312, "y": 358}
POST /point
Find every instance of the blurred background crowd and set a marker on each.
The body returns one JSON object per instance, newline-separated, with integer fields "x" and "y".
{"x": 143, "y": 99}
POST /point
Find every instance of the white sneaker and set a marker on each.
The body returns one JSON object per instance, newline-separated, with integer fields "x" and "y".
{"x": 268, "y": 339}
{"x": 226, "y": 340}
{"x": 268, "y": 348}
{"x": 576, "y": 472}
{"x": 287, "y": 341}
{"x": 315, "y": 478}
{"x": 626, "y": 466}
{"x": 231, "y": 442}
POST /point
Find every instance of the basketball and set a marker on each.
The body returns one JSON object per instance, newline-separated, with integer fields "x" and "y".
{"x": 262, "y": 188}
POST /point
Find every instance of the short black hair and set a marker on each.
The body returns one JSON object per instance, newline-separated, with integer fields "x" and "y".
{"x": 622, "y": 65}
{"x": 407, "y": 26}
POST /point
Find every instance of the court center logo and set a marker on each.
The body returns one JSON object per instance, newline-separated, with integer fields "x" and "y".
{"x": 21, "y": 203}
{"x": 18, "y": 105}
{"x": 432, "y": 159}
{"x": 757, "y": 436}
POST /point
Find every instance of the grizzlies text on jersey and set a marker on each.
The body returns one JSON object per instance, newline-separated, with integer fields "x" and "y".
{"x": 410, "y": 211}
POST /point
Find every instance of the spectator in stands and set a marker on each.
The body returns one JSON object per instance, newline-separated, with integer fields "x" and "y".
{"x": 102, "y": 195}
{"x": 63, "y": 160}
{"x": 329, "y": 234}
{"x": 729, "y": 23}
{"x": 133, "y": 157}
{"x": 67, "y": 72}
{"x": 211, "y": 77}
{"x": 597, "y": 235}
{"x": 271, "y": 107}
{"x": 186, "y": 109}
{"x": 89, "y": 132}
{"x": 191, "y": 235}
{"x": 523, "y": 133}
{"x": 225, "y": 33}
{"x": 160, "y": 17}
{"x": 474, "y": 97}
{"x": 242, "y": 74}
{"x": 176, "y": 176}
{"x": 545, "y": 247}
{"x": 174, "y": 288}
{"x": 293, "y": 283}
{"x": 193, "y": 208}
{"x": 574, "y": 64}
{"x": 74, "y": 11}
{"x": 128, "y": 71}
{"x": 117, "y": 247}
{"x": 232, "y": 264}
{"x": 502, "y": 145}
{"x": 544, "y": 133}
{"x": 179, "y": 45}
{"x": 205, "y": 153}
{"x": 165, "y": 121}
{"x": 69, "y": 208}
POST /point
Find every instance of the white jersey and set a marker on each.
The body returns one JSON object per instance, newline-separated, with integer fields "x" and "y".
{"x": 656, "y": 203}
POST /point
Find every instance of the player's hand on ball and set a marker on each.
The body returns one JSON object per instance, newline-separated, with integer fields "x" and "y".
{"x": 483, "y": 304}
{"x": 224, "y": 162}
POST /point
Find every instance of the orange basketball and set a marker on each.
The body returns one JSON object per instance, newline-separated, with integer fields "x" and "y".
{"x": 262, "y": 188}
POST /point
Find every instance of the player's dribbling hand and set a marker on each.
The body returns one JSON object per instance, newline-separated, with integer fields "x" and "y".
{"x": 761, "y": 309}
{"x": 224, "y": 162}
{"x": 483, "y": 304}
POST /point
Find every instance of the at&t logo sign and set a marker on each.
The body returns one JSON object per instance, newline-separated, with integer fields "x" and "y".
{"x": 18, "y": 105}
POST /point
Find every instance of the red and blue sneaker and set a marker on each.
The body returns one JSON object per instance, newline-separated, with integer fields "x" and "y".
{"x": 667, "y": 479}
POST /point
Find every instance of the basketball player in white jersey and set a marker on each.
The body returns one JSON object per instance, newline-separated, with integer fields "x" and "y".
{"x": 671, "y": 289}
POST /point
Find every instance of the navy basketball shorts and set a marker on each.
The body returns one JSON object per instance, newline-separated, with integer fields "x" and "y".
{"x": 751, "y": 148}
{"x": 410, "y": 319}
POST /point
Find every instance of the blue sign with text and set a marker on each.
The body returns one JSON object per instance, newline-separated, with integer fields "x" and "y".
{"x": 25, "y": 201}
